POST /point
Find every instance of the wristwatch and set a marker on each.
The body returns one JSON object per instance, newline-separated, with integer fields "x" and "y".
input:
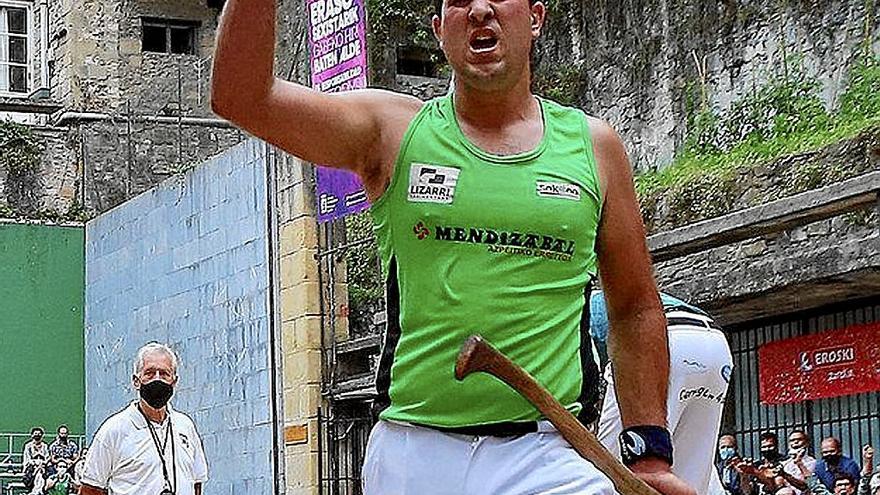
{"x": 641, "y": 442}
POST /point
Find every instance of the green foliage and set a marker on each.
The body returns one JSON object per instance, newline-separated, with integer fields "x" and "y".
{"x": 20, "y": 150}
{"x": 784, "y": 107}
{"x": 783, "y": 117}
{"x": 861, "y": 100}
{"x": 365, "y": 287}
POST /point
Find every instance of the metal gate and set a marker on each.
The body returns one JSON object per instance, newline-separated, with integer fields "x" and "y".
{"x": 344, "y": 423}
{"x": 342, "y": 443}
{"x": 854, "y": 419}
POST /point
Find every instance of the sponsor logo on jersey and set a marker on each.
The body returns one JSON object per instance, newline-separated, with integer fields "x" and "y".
{"x": 421, "y": 231}
{"x": 701, "y": 393}
{"x": 432, "y": 183}
{"x": 509, "y": 242}
{"x": 694, "y": 366}
{"x": 726, "y": 371}
{"x": 558, "y": 190}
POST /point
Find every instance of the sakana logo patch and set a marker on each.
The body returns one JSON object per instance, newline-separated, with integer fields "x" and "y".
{"x": 432, "y": 183}
{"x": 558, "y": 190}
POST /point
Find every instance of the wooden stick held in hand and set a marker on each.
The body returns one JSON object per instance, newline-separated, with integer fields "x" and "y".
{"x": 478, "y": 355}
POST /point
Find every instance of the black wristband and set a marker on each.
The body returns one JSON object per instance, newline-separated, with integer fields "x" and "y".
{"x": 641, "y": 442}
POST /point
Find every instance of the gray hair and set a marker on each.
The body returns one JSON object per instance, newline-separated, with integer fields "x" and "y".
{"x": 152, "y": 348}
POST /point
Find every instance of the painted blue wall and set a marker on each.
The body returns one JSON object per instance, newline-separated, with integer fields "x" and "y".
{"x": 186, "y": 263}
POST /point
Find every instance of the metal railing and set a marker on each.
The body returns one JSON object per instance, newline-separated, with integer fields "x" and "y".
{"x": 12, "y": 446}
{"x": 854, "y": 419}
{"x": 342, "y": 444}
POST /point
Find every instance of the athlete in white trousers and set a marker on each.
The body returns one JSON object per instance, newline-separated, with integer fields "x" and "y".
{"x": 699, "y": 370}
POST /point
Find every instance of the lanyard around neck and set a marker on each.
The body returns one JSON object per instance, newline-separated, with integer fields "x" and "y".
{"x": 160, "y": 449}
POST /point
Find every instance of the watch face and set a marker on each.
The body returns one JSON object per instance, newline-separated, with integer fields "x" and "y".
{"x": 634, "y": 443}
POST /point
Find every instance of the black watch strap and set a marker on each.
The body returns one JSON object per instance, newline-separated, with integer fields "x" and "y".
{"x": 641, "y": 442}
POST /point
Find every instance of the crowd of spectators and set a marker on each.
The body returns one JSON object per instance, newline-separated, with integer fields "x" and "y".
{"x": 795, "y": 472}
{"x": 51, "y": 469}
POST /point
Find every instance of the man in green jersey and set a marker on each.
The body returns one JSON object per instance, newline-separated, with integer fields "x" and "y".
{"x": 494, "y": 212}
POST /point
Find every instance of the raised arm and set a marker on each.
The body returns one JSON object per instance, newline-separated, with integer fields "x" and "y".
{"x": 637, "y": 342}
{"x": 358, "y": 130}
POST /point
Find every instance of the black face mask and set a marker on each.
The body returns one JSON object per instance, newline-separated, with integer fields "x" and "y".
{"x": 832, "y": 459}
{"x": 156, "y": 393}
{"x": 770, "y": 454}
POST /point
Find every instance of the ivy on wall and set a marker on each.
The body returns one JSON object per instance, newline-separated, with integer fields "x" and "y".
{"x": 784, "y": 117}
{"x": 365, "y": 282}
{"x": 20, "y": 154}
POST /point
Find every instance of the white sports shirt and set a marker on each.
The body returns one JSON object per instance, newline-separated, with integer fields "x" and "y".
{"x": 123, "y": 458}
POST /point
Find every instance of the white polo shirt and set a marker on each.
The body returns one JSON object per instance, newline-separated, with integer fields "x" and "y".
{"x": 123, "y": 458}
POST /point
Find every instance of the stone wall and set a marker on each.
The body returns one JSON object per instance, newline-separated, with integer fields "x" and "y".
{"x": 121, "y": 161}
{"x": 187, "y": 264}
{"x": 50, "y": 190}
{"x": 98, "y": 67}
{"x": 302, "y": 314}
{"x": 806, "y": 267}
{"x": 711, "y": 195}
{"x": 631, "y": 63}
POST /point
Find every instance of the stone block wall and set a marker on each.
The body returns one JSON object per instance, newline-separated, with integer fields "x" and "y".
{"x": 52, "y": 188}
{"x": 302, "y": 305}
{"x": 631, "y": 63}
{"x": 187, "y": 263}
{"x": 121, "y": 161}
{"x": 806, "y": 267}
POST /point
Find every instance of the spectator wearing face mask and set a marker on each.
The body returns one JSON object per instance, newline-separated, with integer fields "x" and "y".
{"x": 63, "y": 448}
{"x": 764, "y": 476}
{"x": 770, "y": 449}
{"x": 148, "y": 448}
{"x": 843, "y": 484}
{"x": 34, "y": 447}
{"x": 61, "y": 482}
{"x": 834, "y": 464}
{"x": 728, "y": 475}
{"x": 77, "y": 469}
{"x": 798, "y": 444}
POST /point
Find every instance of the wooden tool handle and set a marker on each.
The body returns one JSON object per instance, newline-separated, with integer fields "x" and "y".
{"x": 478, "y": 355}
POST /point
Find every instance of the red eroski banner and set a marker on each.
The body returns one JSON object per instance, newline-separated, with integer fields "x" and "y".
{"x": 828, "y": 364}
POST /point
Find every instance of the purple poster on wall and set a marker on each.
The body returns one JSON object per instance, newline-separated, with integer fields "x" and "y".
{"x": 338, "y": 56}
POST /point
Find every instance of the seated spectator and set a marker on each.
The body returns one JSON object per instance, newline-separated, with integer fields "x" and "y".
{"x": 844, "y": 485}
{"x": 63, "y": 448}
{"x": 873, "y": 486}
{"x": 34, "y": 477}
{"x": 59, "y": 483}
{"x": 770, "y": 448}
{"x": 834, "y": 464}
{"x": 34, "y": 447}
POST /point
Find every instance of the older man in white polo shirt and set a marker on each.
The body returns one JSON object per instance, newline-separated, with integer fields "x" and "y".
{"x": 147, "y": 448}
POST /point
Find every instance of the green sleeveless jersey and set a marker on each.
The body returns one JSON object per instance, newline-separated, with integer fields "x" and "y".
{"x": 476, "y": 243}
